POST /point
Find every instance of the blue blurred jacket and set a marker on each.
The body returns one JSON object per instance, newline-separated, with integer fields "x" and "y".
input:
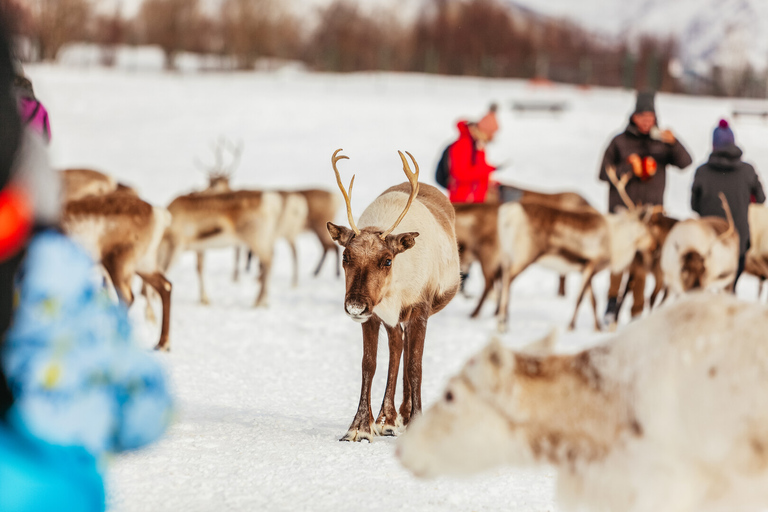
{"x": 79, "y": 382}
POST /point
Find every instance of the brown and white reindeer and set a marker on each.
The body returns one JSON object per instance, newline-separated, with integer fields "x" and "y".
{"x": 756, "y": 259}
{"x": 669, "y": 415}
{"x": 80, "y": 183}
{"x": 477, "y": 234}
{"x": 204, "y": 220}
{"x": 399, "y": 281}
{"x": 123, "y": 233}
{"x": 701, "y": 254}
{"x": 568, "y": 240}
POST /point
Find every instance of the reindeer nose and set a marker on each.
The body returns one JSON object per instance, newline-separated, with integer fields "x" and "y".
{"x": 355, "y": 308}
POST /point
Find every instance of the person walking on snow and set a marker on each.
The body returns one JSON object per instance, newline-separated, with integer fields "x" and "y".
{"x": 644, "y": 152}
{"x": 468, "y": 170}
{"x": 725, "y": 172}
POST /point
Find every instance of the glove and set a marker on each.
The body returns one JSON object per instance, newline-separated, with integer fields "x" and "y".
{"x": 667, "y": 137}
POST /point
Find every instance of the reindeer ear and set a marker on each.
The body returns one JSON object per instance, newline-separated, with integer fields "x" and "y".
{"x": 340, "y": 234}
{"x": 402, "y": 242}
{"x": 543, "y": 347}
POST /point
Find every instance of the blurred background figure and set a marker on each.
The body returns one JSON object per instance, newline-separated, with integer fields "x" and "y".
{"x": 725, "y": 172}
{"x": 469, "y": 173}
{"x": 488, "y": 126}
{"x": 73, "y": 385}
{"x": 643, "y": 152}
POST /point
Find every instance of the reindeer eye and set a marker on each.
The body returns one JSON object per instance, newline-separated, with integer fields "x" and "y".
{"x": 448, "y": 396}
{"x": 387, "y": 262}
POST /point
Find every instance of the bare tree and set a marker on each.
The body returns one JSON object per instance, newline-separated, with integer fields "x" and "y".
{"x": 170, "y": 24}
{"x": 58, "y": 22}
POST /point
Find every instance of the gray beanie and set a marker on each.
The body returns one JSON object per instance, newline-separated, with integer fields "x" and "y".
{"x": 645, "y": 102}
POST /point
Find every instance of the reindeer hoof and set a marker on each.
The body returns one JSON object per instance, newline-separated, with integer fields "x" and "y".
{"x": 205, "y": 301}
{"x": 261, "y": 304}
{"x": 502, "y": 327}
{"x": 356, "y": 435}
{"x": 163, "y": 347}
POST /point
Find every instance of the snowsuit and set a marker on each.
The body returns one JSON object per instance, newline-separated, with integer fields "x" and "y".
{"x": 647, "y": 190}
{"x": 469, "y": 171}
{"x": 726, "y": 173}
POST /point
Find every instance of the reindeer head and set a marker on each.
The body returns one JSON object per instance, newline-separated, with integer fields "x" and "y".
{"x": 369, "y": 254}
{"x": 219, "y": 174}
{"x": 479, "y": 422}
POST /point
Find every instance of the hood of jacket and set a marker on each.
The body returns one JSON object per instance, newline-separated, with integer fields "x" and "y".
{"x": 725, "y": 159}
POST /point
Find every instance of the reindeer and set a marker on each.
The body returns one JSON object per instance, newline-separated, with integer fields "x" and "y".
{"x": 671, "y": 414}
{"x": 80, "y": 183}
{"x": 395, "y": 280}
{"x": 568, "y": 240}
{"x": 205, "y": 220}
{"x": 123, "y": 233}
{"x": 756, "y": 259}
{"x": 323, "y": 206}
{"x": 476, "y": 232}
{"x": 701, "y": 254}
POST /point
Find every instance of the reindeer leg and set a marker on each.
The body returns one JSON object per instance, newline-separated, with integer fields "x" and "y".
{"x": 236, "y": 273}
{"x": 295, "y": 280}
{"x": 149, "y": 313}
{"x": 265, "y": 269}
{"x": 561, "y": 288}
{"x": 322, "y": 259}
{"x": 486, "y": 290}
{"x": 200, "y": 264}
{"x": 507, "y": 276}
{"x": 116, "y": 265}
{"x": 417, "y": 331}
{"x": 163, "y": 287}
{"x": 388, "y": 423}
{"x": 591, "y": 290}
{"x": 586, "y": 282}
{"x": 406, "y": 405}
{"x": 362, "y": 426}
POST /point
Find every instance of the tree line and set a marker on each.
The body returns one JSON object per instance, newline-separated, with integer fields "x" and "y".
{"x": 454, "y": 37}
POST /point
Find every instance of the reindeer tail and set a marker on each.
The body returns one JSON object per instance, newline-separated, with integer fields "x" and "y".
{"x": 728, "y": 215}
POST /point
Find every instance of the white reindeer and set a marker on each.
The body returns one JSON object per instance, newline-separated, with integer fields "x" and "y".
{"x": 670, "y": 415}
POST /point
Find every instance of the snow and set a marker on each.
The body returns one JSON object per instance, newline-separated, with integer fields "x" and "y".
{"x": 265, "y": 394}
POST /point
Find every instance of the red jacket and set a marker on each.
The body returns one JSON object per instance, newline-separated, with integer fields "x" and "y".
{"x": 469, "y": 171}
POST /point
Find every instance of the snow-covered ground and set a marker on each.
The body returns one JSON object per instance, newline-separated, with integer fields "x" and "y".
{"x": 264, "y": 394}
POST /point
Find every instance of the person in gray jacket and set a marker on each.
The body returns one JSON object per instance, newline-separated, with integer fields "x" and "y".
{"x": 725, "y": 172}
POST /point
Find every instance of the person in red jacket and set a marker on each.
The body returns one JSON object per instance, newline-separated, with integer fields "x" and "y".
{"x": 468, "y": 169}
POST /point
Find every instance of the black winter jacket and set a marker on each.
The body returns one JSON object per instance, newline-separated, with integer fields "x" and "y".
{"x": 650, "y": 192}
{"x": 726, "y": 173}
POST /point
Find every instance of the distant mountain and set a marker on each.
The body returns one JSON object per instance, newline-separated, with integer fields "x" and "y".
{"x": 729, "y": 33}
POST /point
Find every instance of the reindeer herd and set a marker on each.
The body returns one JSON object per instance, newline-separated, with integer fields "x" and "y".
{"x": 597, "y": 415}
{"x": 129, "y": 237}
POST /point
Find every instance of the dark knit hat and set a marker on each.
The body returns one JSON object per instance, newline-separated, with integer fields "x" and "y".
{"x": 645, "y": 102}
{"x": 722, "y": 137}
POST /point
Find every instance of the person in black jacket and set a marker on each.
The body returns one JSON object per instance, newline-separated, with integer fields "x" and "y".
{"x": 643, "y": 151}
{"x": 725, "y": 172}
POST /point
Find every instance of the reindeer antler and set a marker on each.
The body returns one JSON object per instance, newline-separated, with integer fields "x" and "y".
{"x": 347, "y": 196}
{"x": 413, "y": 179}
{"x": 218, "y": 170}
{"x": 621, "y": 186}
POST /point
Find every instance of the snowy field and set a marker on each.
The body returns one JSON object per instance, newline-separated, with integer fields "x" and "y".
{"x": 264, "y": 394}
